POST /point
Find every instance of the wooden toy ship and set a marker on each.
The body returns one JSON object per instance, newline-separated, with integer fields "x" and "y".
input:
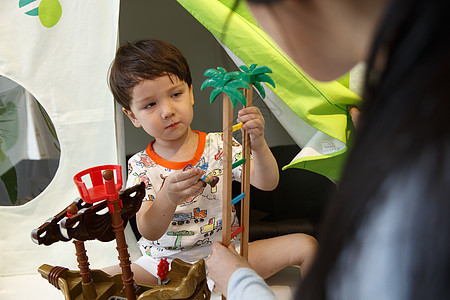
{"x": 81, "y": 221}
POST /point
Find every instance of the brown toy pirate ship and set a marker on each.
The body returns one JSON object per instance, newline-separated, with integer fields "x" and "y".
{"x": 82, "y": 220}
{"x": 187, "y": 281}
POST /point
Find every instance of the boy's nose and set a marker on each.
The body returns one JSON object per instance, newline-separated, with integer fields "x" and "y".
{"x": 167, "y": 110}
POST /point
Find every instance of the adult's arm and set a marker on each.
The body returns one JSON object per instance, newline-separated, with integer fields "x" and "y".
{"x": 233, "y": 275}
{"x": 246, "y": 284}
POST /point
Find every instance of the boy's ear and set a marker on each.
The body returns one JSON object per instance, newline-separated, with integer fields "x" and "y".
{"x": 191, "y": 94}
{"x": 132, "y": 118}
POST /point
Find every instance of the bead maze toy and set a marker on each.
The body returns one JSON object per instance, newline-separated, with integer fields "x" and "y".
{"x": 236, "y": 86}
{"x": 81, "y": 221}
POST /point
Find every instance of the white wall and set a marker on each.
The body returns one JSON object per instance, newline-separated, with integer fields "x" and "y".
{"x": 167, "y": 20}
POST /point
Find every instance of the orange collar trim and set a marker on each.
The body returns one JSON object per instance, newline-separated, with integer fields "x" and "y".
{"x": 178, "y": 165}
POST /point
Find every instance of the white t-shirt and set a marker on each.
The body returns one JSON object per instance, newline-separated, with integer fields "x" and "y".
{"x": 197, "y": 221}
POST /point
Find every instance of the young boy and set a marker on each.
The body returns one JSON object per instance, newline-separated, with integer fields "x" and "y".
{"x": 180, "y": 216}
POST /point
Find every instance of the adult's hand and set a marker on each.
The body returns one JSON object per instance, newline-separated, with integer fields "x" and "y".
{"x": 222, "y": 263}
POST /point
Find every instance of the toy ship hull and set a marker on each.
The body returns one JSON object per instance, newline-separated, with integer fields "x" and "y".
{"x": 187, "y": 281}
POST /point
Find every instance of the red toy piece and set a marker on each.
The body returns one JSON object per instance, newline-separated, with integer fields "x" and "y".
{"x": 97, "y": 191}
{"x": 163, "y": 270}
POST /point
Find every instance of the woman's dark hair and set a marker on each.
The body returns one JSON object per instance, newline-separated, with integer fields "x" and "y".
{"x": 404, "y": 134}
{"x": 144, "y": 59}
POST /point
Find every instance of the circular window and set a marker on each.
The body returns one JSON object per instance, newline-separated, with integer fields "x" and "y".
{"x": 29, "y": 147}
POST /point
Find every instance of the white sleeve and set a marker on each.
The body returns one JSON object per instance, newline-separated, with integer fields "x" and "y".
{"x": 246, "y": 284}
{"x": 137, "y": 173}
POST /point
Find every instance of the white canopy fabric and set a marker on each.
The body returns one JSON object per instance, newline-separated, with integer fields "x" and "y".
{"x": 61, "y": 54}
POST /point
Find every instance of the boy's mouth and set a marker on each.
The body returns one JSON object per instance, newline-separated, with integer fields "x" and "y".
{"x": 173, "y": 125}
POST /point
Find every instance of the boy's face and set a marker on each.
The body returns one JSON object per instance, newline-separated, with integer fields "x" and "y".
{"x": 163, "y": 107}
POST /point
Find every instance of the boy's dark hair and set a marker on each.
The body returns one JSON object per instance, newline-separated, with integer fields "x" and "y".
{"x": 141, "y": 60}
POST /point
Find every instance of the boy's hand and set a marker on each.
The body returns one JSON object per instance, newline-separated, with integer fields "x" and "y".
{"x": 182, "y": 185}
{"x": 253, "y": 124}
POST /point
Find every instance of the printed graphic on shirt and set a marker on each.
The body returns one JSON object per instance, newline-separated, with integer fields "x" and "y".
{"x": 142, "y": 177}
{"x": 179, "y": 235}
{"x": 219, "y": 154}
{"x": 202, "y": 164}
{"x": 185, "y": 218}
{"x": 203, "y": 242}
{"x": 150, "y": 248}
{"x": 210, "y": 228}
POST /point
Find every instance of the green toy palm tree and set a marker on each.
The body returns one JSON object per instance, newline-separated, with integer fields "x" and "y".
{"x": 231, "y": 84}
{"x": 256, "y": 75}
{"x": 228, "y": 83}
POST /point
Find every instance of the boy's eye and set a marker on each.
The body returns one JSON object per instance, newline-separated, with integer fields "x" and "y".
{"x": 150, "y": 105}
{"x": 176, "y": 94}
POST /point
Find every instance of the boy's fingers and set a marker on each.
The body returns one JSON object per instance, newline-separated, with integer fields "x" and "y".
{"x": 193, "y": 183}
{"x": 253, "y": 124}
{"x": 249, "y": 110}
{"x": 255, "y": 133}
{"x": 248, "y": 117}
{"x": 188, "y": 174}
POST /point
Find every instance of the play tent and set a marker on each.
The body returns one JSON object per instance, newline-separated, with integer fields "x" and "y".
{"x": 59, "y": 53}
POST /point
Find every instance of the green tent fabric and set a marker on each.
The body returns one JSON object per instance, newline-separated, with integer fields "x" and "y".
{"x": 313, "y": 113}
